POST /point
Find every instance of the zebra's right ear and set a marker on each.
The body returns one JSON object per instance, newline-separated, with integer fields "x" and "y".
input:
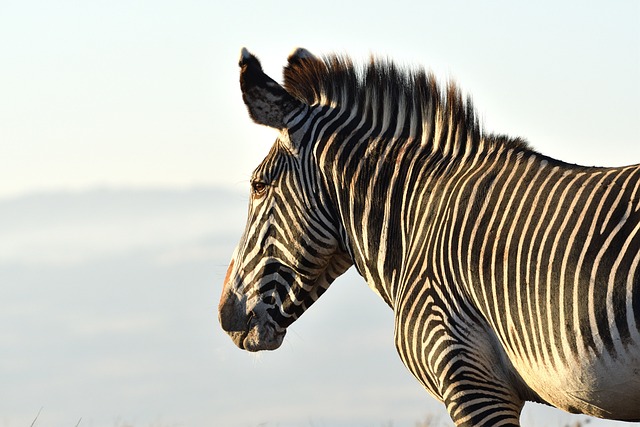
{"x": 268, "y": 103}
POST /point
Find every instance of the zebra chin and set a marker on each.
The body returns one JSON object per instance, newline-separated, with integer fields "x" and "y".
{"x": 258, "y": 337}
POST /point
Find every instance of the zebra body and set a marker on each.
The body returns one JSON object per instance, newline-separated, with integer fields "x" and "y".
{"x": 543, "y": 325}
{"x": 512, "y": 276}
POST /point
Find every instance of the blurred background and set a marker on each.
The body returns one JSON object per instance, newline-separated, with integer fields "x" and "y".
{"x": 125, "y": 153}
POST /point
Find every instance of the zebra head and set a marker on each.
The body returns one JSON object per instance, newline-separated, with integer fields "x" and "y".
{"x": 291, "y": 248}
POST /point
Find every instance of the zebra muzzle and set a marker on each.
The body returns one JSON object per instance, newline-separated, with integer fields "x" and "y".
{"x": 231, "y": 310}
{"x": 253, "y": 330}
{"x": 230, "y": 313}
{"x": 248, "y": 332}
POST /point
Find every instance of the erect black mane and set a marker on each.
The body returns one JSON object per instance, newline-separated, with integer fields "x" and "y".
{"x": 381, "y": 86}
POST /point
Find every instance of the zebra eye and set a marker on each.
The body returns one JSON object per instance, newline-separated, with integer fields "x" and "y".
{"x": 258, "y": 188}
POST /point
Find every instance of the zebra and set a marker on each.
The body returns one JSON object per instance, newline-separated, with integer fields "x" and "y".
{"x": 513, "y": 276}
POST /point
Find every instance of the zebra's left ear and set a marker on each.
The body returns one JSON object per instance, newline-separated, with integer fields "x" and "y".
{"x": 268, "y": 103}
{"x": 302, "y": 64}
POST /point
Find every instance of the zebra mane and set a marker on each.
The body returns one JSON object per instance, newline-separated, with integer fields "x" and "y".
{"x": 380, "y": 87}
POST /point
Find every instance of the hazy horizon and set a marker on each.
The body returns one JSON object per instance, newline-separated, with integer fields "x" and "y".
{"x": 108, "y": 312}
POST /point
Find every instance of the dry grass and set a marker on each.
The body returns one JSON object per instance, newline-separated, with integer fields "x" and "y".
{"x": 436, "y": 421}
{"x": 428, "y": 421}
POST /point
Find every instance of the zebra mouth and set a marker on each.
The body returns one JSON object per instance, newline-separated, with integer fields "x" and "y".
{"x": 259, "y": 336}
{"x": 252, "y": 332}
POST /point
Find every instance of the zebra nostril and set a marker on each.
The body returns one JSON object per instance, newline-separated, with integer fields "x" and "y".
{"x": 269, "y": 300}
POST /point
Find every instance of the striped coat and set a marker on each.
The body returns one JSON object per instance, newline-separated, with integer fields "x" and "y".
{"x": 512, "y": 276}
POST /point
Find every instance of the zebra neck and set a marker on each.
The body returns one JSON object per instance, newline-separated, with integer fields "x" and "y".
{"x": 376, "y": 185}
{"x": 369, "y": 182}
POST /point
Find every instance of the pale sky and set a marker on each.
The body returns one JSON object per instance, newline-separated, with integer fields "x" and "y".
{"x": 145, "y": 93}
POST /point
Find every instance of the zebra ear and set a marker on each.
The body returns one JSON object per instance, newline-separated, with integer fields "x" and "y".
{"x": 268, "y": 103}
{"x": 300, "y": 55}
{"x": 302, "y": 65}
